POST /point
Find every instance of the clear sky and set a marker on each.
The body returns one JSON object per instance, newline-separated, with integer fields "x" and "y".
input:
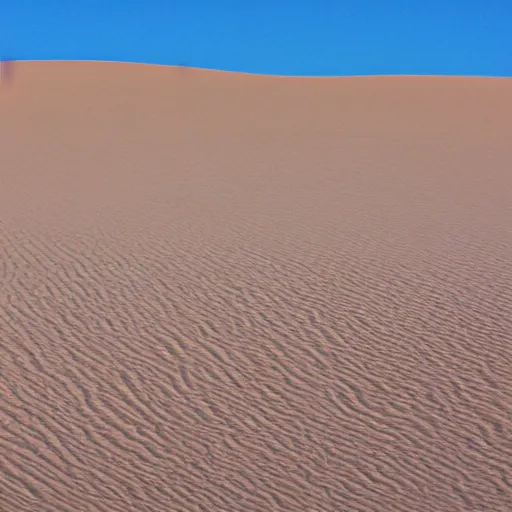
{"x": 283, "y": 37}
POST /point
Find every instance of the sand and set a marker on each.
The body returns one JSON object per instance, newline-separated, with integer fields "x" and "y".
{"x": 225, "y": 292}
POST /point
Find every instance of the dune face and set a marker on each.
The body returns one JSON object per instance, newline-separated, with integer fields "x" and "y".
{"x": 226, "y": 292}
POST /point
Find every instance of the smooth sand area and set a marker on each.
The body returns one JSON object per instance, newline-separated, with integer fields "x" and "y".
{"x": 223, "y": 292}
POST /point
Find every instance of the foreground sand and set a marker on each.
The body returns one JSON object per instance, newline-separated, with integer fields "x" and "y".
{"x": 225, "y": 292}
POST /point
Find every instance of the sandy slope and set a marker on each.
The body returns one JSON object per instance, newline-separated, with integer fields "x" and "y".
{"x": 226, "y": 292}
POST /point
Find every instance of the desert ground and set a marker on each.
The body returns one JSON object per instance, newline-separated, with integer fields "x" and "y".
{"x": 224, "y": 292}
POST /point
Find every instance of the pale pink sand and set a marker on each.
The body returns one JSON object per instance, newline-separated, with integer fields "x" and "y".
{"x": 224, "y": 292}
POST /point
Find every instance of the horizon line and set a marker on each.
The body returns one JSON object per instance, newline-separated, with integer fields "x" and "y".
{"x": 369, "y": 75}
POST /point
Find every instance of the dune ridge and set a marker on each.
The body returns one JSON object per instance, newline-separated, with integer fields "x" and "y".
{"x": 227, "y": 292}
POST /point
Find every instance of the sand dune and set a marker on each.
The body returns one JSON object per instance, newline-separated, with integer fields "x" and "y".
{"x": 224, "y": 292}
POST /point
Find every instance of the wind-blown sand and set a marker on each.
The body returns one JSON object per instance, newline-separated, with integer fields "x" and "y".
{"x": 225, "y": 292}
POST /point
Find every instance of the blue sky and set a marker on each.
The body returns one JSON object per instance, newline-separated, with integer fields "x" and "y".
{"x": 282, "y": 37}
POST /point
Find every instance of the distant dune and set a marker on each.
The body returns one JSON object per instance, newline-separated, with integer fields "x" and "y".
{"x": 225, "y": 292}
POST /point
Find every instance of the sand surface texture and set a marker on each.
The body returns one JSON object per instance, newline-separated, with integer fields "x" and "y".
{"x": 224, "y": 292}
